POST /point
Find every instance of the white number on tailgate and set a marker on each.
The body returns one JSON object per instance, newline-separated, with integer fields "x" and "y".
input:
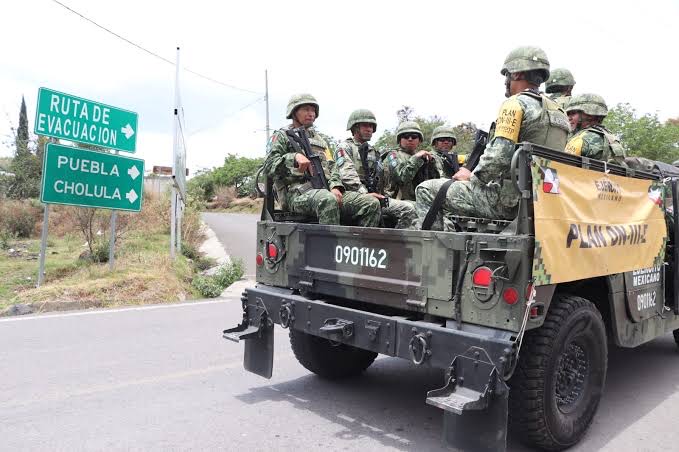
{"x": 366, "y": 257}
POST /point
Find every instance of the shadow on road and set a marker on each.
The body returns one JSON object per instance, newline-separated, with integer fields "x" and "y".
{"x": 387, "y": 403}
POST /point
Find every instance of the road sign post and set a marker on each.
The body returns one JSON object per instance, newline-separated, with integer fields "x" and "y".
{"x": 73, "y": 118}
{"x": 83, "y": 178}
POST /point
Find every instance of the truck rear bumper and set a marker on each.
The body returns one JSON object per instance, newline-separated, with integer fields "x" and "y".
{"x": 474, "y": 397}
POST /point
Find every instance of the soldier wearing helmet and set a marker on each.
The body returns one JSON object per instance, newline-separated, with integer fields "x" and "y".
{"x": 590, "y": 138}
{"x": 289, "y": 169}
{"x": 559, "y": 86}
{"x": 361, "y": 170}
{"x": 443, "y": 140}
{"x": 527, "y": 115}
{"x": 406, "y": 166}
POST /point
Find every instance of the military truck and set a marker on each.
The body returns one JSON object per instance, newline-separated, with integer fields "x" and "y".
{"x": 518, "y": 314}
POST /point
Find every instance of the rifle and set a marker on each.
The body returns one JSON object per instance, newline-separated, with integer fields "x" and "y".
{"x": 450, "y": 159}
{"x": 372, "y": 179}
{"x": 300, "y": 143}
{"x": 480, "y": 142}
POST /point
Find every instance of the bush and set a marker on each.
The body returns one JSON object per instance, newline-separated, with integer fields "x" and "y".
{"x": 212, "y": 286}
{"x": 224, "y": 197}
{"x": 18, "y": 218}
{"x": 207, "y": 286}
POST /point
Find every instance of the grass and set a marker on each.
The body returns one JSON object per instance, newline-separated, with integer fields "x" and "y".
{"x": 144, "y": 273}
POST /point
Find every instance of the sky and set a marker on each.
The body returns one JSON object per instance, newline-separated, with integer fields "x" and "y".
{"x": 441, "y": 58}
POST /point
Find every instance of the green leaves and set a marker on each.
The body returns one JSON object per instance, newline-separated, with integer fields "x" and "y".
{"x": 644, "y": 135}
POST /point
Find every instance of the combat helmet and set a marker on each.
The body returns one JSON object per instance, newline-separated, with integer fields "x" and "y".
{"x": 558, "y": 78}
{"x": 408, "y": 127}
{"x": 591, "y": 104}
{"x": 443, "y": 132}
{"x": 298, "y": 100}
{"x": 526, "y": 58}
{"x": 362, "y": 115}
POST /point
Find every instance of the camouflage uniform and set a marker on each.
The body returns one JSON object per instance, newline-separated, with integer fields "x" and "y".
{"x": 595, "y": 141}
{"x": 445, "y": 132}
{"x": 404, "y": 170}
{"x": 527, "y": 116}
{"x": 559, "y": 80}
{"x": 353, "y": 175}
{"x": 296, "y": 194}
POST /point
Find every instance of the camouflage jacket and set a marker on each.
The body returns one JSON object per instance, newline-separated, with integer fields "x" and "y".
{"x": 280, "y": 164}
{"x": 597, "y": 142}
{"x": 527, "y": 116}
{"x": 560, "y": 99}
{"x": 447, "y": 167}
{"x": 350, "y": 166}
{"x": 403, "y": 172}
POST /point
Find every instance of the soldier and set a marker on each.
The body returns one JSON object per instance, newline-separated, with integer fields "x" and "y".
{"x": 590, "y": 138}
{"x": 527, "y": 115}
{"x": 560, "y": 85}
{"x": 442, "y": 142}
{"x": 406, "y": 168}
{"x": 290, "y": 171}
{"x": 361, "y": 170}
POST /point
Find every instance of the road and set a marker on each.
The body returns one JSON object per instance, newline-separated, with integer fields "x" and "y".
{"x": 162, "y": 378}
{"x": 238, "y": 234}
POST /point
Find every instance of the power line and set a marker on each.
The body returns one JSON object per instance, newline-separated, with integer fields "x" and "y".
{"x": 259, "y": 99}
{"x": 228, "y": 85}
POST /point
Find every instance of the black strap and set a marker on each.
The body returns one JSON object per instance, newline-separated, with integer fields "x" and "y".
{"x": 436, "y": 206}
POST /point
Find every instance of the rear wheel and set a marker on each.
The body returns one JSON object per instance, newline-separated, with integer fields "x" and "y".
{"x": 327, "y": 359}
{"x": 676, "y": 336}
{"x": 557, "y": 385}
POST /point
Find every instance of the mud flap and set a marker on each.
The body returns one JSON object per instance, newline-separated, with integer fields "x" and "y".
{"x": 258, "y": 337}
{"x": 475, "y": 403}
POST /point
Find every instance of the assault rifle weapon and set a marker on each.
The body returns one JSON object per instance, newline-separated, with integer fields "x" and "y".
{"x": 300, "y": 143}
{"x": 372, "y": 179}
{"x": 450, "y": 160}
{"x": 480, "y": 142}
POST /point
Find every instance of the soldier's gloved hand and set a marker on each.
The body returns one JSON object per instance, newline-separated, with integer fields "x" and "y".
{"x": 302, "y": 162}
{"x": 338, "y": 196}
{"x": 424, "y": 155}
{"x": 462, "y": 174}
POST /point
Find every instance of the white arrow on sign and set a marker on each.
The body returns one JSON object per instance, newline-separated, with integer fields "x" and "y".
{"x": 131, "y": 196}
{"x": 133, "y": 172}
{"x": 128, "y": 131}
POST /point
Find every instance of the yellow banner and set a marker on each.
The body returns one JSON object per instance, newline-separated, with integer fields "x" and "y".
{"x": 588, "y": 223}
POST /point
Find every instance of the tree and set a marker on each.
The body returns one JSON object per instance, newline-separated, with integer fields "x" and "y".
{"x": 26, "y": 166}
{"x": 644, "y": 135}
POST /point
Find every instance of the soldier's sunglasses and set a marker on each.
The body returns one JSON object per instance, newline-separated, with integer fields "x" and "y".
{"x": 410, "y": 136}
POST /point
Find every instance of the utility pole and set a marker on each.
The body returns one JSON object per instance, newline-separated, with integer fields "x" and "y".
{"x": 266, "y": 99}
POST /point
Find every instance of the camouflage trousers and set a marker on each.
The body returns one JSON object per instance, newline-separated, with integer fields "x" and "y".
{"x": 463, "y": 198}
{"x": 356, "y": 210}
{"x": 401, "y": 214}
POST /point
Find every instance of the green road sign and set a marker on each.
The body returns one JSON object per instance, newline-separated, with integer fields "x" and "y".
{"x": 91, "y": 179}
{"x": 72, "y": 118}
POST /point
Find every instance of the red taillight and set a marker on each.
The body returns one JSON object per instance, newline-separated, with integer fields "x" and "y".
{"x": 534, "y": 311}
{"x": 510, "y": 295}
{"x": 272, "y": 251}
{"x": 260, "y": 259}
{"x": 529, "y": 290}
{"x": 482, "y": 276}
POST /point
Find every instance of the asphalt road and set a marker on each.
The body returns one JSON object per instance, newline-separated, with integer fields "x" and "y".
{"x": 238, "y": 234}
{"x": 162, "y": 378}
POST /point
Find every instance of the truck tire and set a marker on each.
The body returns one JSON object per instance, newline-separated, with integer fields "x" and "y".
{"x": 560, "y": 376}
{"x": 675, "y": 333}
{"x": 328, "y": 360}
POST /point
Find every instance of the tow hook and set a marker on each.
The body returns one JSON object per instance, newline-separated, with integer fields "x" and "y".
{"x": 338, "y": 328}
{"x": 286, "y": 316}
{"x": 419, "y": 348}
